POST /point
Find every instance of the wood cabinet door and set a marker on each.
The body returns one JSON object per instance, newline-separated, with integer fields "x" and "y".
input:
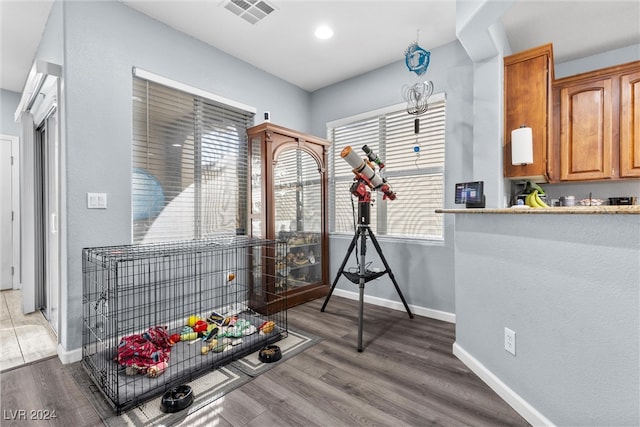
{"x": 630, "y": 125}
{"x": 586, "y": 138}
{"x": 527, "y": 101}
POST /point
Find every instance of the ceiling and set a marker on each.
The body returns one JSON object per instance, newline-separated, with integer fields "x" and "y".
{"x": 368, "y": 34}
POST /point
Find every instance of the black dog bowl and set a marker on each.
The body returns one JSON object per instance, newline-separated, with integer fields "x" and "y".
{"x": 270, "y": 354}
{"x": 176, "y": 399}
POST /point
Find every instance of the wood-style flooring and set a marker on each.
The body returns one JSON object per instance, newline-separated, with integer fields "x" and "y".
{"x": 406, "y": 376}
{"x": 43, "y": 393}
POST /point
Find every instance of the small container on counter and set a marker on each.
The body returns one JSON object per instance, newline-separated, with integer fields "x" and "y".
{"x": 567, "y": 201}
{"x": 622, "y": 201}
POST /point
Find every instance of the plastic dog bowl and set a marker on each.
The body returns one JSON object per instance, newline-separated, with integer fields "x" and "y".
{"x": 176, "y": 399}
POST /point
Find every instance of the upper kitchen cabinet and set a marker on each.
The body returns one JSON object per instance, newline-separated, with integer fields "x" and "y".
{"x": 586, "y": 139}
{"x": 528, "y": 78}
{"x": 630, "y": 125}
{"x": 595, "y": 133}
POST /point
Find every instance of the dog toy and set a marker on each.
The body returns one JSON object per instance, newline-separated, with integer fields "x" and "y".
{"x": 207, "y": 348}
{"x": 191, "y": 321}
{"x": 174, "y": 339}
{"x": 267, "y": 327}
{"x": 200, "y": 326}
{"x": 215, "y": 318}
{"x": 212, "y": 333}
{"x": 236, "y": 331}
{"x": 132, "y": 370}
{"x": 157, "y": 369}
{"x": 220, "y": 347}
{"x": 188, "y": 334}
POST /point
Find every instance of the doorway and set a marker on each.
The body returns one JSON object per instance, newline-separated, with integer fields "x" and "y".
{"x": 9, "y": 213}
{"x": 47, "y": 203}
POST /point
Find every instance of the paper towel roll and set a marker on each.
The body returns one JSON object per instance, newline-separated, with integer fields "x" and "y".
{"x": 521, "y": 146}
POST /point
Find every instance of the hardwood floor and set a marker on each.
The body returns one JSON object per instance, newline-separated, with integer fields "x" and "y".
{"x": 43, "y": 393}
{"x": 406, "y": 376}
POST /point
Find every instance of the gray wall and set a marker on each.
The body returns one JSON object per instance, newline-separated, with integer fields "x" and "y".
{"x": 423, "y": 270}
{"x": 595, "y": 62}
{"x": 568, "y": 286}
{"x": 8, "y": 103}
{"x": 103, "y": 42}
{"x": 452, "y": 72}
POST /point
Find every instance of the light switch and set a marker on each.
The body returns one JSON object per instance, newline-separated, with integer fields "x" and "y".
{"x": 96, "y": 200}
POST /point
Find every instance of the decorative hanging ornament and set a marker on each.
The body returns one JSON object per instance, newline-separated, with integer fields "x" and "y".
{"x": 417, "y": 95}
{"x": 417, "y": 59}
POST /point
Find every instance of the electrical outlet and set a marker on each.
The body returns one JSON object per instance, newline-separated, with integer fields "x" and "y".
{"x": 510, "y": 341}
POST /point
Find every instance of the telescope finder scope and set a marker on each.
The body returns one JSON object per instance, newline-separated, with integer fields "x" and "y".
{"x": 373, "y": 157}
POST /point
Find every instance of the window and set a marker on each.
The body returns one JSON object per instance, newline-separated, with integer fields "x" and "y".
{"x": 416, "y": 178}
{"x": 189, "y": 164}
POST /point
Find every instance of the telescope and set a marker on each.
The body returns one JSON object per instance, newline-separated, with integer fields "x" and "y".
{"x": 364, "y": 169}
{"x": 366, "y": 176}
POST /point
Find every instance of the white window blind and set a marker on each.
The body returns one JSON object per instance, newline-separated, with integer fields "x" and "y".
{"x": 418, "y": 181}
{"x": 189, "y": 165}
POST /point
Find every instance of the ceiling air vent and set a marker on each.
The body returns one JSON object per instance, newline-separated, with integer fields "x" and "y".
{"x": 251, "y": 11}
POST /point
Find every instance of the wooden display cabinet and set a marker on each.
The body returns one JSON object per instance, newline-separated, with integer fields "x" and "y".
{"x": 528, "y": 77}
{"x": 288, "y": 202}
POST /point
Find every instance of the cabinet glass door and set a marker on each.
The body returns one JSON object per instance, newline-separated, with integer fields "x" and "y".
{"x": 298, "y": 218}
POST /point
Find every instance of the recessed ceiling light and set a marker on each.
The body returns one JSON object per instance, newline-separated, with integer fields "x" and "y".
{"x": 323, "y": 32}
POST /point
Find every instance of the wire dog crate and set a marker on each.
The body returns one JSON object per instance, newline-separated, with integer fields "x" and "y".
{"x": 158, "y": 315}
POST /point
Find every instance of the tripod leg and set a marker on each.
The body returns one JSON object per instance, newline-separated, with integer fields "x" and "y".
{"x": 362, "y": 274}
{"x": 361, "y": 315}
{"x": 386, "y": 266}
{"x": 340, "y": 270}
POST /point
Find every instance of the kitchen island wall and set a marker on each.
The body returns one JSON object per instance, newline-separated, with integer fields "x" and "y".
{"x": 569, "y": 286}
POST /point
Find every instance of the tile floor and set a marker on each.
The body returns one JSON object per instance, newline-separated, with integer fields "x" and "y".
{"x": 24, "y": 338}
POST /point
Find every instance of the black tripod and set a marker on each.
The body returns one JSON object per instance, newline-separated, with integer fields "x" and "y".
{"x": 363, "y": 275}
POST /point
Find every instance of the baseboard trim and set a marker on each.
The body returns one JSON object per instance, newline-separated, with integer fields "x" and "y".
{"x": 521, "y": 406}
{"x": 67, "y": 357}
{"x": 397, "y": 305}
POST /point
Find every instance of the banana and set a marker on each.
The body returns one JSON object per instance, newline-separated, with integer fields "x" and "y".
{"x": 527, "y": 200}
{"x": 532, "y": 199}
{"x": 539, "y": 201}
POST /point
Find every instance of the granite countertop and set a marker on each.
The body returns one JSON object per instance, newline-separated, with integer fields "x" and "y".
{"x": 564, "y": 210}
